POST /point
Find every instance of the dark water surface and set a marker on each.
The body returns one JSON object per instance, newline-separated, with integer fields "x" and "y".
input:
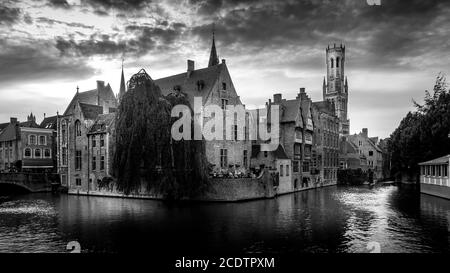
{"x": 333, "y": 219}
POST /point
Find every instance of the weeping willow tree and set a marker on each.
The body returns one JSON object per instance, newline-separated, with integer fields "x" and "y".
{"x": 145, "y": 151}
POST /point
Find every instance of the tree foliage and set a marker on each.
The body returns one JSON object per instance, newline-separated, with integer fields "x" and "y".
{"x": 145, "y": 154}
{"x": 423, "y": 134}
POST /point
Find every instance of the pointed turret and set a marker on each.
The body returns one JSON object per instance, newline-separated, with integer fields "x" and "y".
{"x": 213, "y": 59}
{"x": 122, "y": 90}
{"x": 324, "y": 87}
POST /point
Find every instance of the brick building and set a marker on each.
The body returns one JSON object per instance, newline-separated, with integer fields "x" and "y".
{"x": 26, "y": 146}
{"x": 214, "y": 86}
{"x": 327, "y": 143}
{"x": 74, "y": 142}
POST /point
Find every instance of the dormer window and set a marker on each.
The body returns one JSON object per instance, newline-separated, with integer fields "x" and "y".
{"x": 224, "y": 86}
{"x": 200, "y": 85}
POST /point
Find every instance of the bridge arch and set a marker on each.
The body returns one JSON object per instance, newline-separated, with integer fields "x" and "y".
{"x": 6, "y": 186}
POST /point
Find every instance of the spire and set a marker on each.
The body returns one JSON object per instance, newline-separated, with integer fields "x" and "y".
{"x": 213, "y": 59}
{"x": 122, "y": 85}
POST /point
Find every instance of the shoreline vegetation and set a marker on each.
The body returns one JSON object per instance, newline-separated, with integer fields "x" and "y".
{"x": 423, "y": 134}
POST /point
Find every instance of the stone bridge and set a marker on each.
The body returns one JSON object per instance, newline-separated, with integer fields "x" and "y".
{"x": 32, "y": 182}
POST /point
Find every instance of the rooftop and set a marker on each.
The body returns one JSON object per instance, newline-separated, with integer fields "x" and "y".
{"x": 440, "y": 160}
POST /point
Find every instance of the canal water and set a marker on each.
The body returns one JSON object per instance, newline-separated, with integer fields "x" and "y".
{"x": 328, "y": 220}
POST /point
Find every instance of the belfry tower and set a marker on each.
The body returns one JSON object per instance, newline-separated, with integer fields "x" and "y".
{"x": 335, "y": 87}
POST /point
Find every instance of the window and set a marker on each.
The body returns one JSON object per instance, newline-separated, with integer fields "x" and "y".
{"x": 224, "y": 104}
{"x": 78, "y": 160}
{"x": 445, "y": 170}
{"x": 32, "y": 140}
{"x": 265, "y": 153}
{"x": 47, "y": 153}
{"x": 235, "y": 132}
{"x": 63, "y": 179}
{"x": 94, "y": 163}
{"x": 281, "y": 170}
{"x": 78, "y": 181}
{"x": 224, "y": 86}
{"x": 102, "y": 140}
{"x": 223, "y": 158}
{"x": 42, "y": 140}
{"x": 27, "y": 153}
{"x": 438, "y": 170}
{"x": 332, "y": 62}
{"x": 78, "y": 128}
{"x": 287, "y": 170}
{"x": 360, "y": 143}
{"x": 245, "y": 158}
{"x": 64, "y": 156}
{"x": 295, "y": 166}
{"x": 370, "y": 153}
{"x": 63, "y": 132}
{"x": 433, "y": 170}
{"x": 337, "y": 62}
{"x": 305, "y": 166}
{"x": 102, "y": 162}
{"x": 37, "y": 153}
{"x": 94, "y": 143}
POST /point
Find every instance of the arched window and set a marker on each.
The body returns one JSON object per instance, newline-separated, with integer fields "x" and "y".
{"x": 27, "y": 153}
{"x": 332, "y": 62}
{"x": 32, "y": 140}
{"x": 47, "y": 153}
{"x": 37, "y": 153}
{"x": 78, "y": 128}
{"x": 337, "y": 62}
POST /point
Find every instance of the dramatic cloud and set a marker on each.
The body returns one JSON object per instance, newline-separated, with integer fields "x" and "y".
{"x": 393, "y": 50}
{"x": 8, "y": 15}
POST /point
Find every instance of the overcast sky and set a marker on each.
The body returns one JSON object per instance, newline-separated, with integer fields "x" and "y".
{"x": 394, "y": 51}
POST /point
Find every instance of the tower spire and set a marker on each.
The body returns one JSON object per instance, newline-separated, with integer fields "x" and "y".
{"x": 122, "y": 85}
{"x": 213, "y": 59}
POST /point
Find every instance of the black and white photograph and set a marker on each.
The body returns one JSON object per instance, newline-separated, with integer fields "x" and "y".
{"x": 215, "y": 135}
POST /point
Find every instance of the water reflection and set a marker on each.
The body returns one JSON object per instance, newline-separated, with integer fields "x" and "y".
{"x": 342, "y": 219}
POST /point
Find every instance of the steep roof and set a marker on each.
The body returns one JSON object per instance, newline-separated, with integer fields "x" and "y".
{"x": 49, "y": 122}
{"x": 29, "y": 124}
{"x": 90, "y": 111}
{"x": 102, "y": 123}
{"x": 91, "y": 96}
{"x": 3, "y": 126}
{"x": 9, "y": 133}
{"x": 440, "y": 160}
{"x": 347, "y": 147}
{"x": 205, "y": 77}
{"x": 279, "y": 153}
{"x": 324, "y": 106}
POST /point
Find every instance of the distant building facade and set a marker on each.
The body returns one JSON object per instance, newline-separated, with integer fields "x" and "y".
{"x": 370, "y": 150}
{"x": 26, "y": 146}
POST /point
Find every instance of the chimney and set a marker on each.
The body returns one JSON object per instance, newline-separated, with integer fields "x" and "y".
{"x": 277, "y": 98}
{"x": 190, "y": 67}
{"x": 13, "y": 120}
{"x": 100, "y": 85}
{"x": 365, "y": 132}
